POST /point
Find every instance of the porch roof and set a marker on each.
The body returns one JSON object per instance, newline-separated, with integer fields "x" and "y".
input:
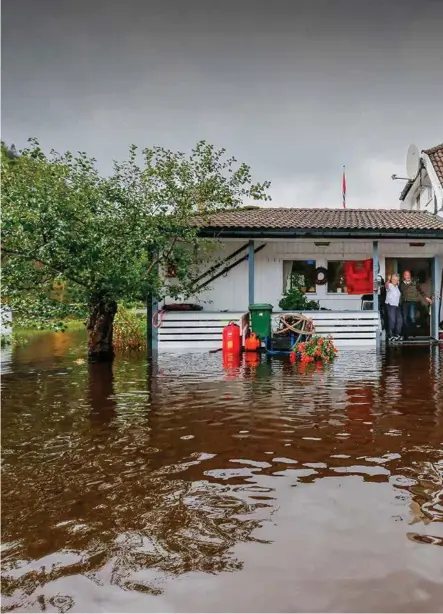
{"x": 333, "y": 223}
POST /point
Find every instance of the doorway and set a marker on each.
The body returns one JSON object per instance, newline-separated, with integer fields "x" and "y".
{"x": 421, "y": 270}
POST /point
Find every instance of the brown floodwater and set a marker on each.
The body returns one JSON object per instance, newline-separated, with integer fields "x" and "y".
{"x": 181, "y": 487}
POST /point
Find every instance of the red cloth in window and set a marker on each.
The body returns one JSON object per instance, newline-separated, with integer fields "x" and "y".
{"x": 359, "y": 277}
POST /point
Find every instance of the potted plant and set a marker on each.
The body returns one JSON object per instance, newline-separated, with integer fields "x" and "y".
{"x": 294, "y": 299}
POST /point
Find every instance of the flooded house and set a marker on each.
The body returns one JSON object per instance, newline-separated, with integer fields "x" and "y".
{"x": 261, "y": 250}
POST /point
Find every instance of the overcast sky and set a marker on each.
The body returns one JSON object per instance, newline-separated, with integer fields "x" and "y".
{"x": 294, "y": 88}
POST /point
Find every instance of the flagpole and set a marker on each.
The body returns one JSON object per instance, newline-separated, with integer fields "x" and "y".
{"x": 344, "y": 187}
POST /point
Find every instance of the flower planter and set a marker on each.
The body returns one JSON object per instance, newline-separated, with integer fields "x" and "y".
{"x": 316, "y": 349}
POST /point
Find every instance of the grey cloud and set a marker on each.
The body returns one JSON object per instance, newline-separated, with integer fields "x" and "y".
{"x": 296, "y": 88}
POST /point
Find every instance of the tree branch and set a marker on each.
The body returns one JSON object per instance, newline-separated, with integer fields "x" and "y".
{"x": 57, "y": 269}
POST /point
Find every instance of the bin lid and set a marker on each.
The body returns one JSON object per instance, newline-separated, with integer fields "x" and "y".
{"x": 260, "y": 307}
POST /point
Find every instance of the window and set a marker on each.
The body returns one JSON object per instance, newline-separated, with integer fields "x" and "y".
{"x": 300, "y": 273}
{"x": 336, "y": 276}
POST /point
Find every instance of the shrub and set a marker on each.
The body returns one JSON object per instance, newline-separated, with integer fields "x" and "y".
{"x": 129, "y": 330}
{"x": 295, "y": 300}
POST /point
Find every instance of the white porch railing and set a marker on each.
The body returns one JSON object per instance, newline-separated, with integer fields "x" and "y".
{"x": 195, "y": 330}
{"x": 350, "y": 328}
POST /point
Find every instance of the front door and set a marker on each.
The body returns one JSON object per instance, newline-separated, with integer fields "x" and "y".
{"x": 423, "y": 270}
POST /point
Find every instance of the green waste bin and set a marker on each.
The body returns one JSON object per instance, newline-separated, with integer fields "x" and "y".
{"x": 260, "y": 323}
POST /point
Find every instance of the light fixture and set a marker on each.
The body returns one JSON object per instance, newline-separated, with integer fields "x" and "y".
{"x": 321, "y": 243}
{"x": 416, "y": 244}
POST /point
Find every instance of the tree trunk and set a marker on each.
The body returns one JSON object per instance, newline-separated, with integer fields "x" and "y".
{"x": 100, "y": 329}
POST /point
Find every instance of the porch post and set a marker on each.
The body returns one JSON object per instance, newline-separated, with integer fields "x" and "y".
{"x": 251, "y": 264}
{"x": 151, "y": 331}
{"x": 375, "y": 265}
{"x": 435, "y": 308}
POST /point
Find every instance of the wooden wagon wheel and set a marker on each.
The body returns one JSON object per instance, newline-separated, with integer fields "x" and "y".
{"x": 302, "y": 325}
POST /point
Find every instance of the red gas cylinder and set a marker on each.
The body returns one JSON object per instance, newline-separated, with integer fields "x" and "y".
{"x": 232, "y": 339}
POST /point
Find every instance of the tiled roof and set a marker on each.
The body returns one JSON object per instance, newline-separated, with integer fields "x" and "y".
{"x": 267, "y": 218}
{"x": 436, "y": 156}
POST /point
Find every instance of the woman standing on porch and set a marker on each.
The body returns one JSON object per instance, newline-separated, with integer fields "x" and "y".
{"x": 395, "y": 320}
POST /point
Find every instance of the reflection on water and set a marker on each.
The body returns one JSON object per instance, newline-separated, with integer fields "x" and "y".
{"x": 136, "y": 489}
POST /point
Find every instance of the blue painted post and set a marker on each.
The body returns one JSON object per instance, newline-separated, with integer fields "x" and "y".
{"x": 375, "y": 265}
{"x": 152, "y": 331}
{"x": 152, "y": 342}
{"x": 251, "y": 266}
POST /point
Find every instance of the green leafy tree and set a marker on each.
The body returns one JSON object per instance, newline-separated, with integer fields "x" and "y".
{"x": 105, "y": 238}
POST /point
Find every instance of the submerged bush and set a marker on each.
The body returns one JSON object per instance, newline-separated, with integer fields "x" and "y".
{"x": 129, "y": 330}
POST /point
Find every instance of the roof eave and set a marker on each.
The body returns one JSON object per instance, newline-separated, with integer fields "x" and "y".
{"x": 306, "y": 233}
{"x": 406, "y": 189}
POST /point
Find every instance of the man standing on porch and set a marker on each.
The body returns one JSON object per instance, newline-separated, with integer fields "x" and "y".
{"x": 411, "y": 295}
{"x": 395, "y": 320}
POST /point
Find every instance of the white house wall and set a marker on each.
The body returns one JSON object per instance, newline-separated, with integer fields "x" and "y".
{"x": 426, "y": 193}
{"x": 230, "y": 292}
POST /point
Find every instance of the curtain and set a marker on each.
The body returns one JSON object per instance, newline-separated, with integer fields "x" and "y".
{"x": 287, "y": 271}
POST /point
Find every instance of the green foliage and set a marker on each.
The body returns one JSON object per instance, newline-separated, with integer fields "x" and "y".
{"x": 296, "y": 300}
{"x": 129, "y": 330}
{"x": 105, "y": 239}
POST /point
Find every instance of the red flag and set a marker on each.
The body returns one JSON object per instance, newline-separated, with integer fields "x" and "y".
{"x": 344, "y": 188}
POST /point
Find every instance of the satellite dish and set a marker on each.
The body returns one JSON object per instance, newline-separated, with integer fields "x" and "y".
{"x": 412, "y": 161}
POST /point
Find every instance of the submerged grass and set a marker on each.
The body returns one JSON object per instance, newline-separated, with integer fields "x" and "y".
{"x": 20, "y": 336}
{"x": 129, "y": 330}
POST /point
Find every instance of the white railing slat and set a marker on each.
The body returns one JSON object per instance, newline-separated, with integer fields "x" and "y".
{"x": 172, "y": 330}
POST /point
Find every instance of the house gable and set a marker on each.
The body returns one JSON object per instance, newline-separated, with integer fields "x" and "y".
{"x": 425, "y": 191}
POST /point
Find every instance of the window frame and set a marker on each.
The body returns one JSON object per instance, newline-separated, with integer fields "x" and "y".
{"x": 334, "y": 292}
{"x": 305, "y": 261}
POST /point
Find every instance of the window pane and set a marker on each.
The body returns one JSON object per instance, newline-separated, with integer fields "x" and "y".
{"x": 300, "y": 273}
{"x": 336, "y": 276}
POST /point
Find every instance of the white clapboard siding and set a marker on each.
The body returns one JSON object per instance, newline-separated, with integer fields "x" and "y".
{"x": 195, "y": 330}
